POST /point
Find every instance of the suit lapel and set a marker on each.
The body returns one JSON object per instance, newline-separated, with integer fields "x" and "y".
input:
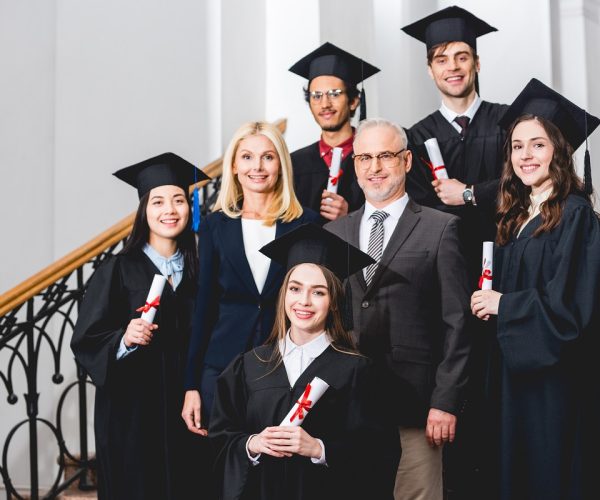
{"x": 353, "y": 236}
{"x": 233, "y": 247}
{"x": 408, "y": 220}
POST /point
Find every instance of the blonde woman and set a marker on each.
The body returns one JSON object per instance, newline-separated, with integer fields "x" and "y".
{"x": 238, "y": 286}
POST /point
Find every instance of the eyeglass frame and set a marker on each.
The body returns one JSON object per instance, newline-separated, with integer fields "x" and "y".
{"x": 377, "y": 156}
{"x": 332, "y": 94}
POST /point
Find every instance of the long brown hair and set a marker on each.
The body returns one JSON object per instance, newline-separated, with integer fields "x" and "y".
{"x": 341, "y": 340}
{"x": 513, "y": 197}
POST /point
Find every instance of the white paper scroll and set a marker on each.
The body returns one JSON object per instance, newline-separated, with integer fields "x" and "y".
{"x": 437, "y": 166}
{"x": 334, "y": 170}
{"x": 312, "y": 393}
{"x": 487, "y": 266}
{"x": 148, "y": 310}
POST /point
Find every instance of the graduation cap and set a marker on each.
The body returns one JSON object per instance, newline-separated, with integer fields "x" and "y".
{"x": 575, "y": 123}
{"x": 161, "y": 170}
{"x": 451, "y": 24}
{"x": 329, "y": 60}
{"x": 311, "y": 244}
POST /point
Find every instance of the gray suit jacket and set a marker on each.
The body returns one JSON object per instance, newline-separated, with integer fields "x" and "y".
{"x": 411, "y": 318}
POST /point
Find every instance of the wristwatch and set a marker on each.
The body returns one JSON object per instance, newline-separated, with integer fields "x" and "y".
{"x": 468, "y": 196}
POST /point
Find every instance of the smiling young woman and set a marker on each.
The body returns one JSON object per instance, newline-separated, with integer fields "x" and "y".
{"x": 543, "y": 392}
{"x": 143, "y": 449}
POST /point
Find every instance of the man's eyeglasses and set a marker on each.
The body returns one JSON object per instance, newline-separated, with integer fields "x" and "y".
{"x": 332, "y": 94}
{"x": 387, "y": 159}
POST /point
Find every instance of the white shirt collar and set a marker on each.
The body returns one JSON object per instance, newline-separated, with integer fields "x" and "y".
{"x": 312, "y": 349}
{"x": 450, "y": 115}
{"x": 538, "y": 199}
{"x": 395, "y": 209}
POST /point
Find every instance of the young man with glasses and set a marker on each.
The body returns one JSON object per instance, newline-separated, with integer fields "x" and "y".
{"x": 333, "y": 97}
{"x": 410, "y": 308}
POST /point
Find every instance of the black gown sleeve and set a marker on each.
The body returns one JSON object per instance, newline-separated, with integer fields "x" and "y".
{"x": 226, "y": 431}
{"x": 536, "y": 325}
{"x": 101, "y": 323}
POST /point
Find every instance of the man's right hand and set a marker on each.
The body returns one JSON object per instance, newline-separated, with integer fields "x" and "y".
{"x": 191, "y": 413}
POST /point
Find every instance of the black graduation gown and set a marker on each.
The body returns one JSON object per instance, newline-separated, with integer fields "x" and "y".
{"x": 311, "y": 176}
{"x": 361, "y": 452}
{"x": 544, "y": 378}
{"x": 476, "y": 159}
{"x": 142, "y": 445}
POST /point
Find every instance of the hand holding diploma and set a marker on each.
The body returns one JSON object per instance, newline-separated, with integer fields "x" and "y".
{"x": 284, "y": 442}
{"x": 436, "y": 162}
{"x": 486, "y": 301}
{"x": 139, "y": 330}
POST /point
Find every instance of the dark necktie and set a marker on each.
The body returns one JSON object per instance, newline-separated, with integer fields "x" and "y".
{"x": 375, "y": 248}
{"x": 463, "y": 121}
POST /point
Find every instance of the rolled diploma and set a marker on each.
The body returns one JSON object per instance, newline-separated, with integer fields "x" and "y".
{"x": 156, "y": 290}
{"x": 296, "y": 415}
{"x": 334, "y": 170}
{"x": 435, "y": 157}
{"x": 487, "y": 265}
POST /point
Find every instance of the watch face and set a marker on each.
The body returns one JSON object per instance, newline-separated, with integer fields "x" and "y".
{"x": 468, "y": 195}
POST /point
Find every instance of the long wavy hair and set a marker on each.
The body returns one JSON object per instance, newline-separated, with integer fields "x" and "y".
{"x": 513, "y": 197}
{"x": 285, "y": 205}
{"x": 186, "y": 241}
{"x": 341, "y": 340}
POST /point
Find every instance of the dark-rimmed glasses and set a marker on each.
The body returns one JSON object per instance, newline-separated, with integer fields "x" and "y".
{"x": 317, "y": 95}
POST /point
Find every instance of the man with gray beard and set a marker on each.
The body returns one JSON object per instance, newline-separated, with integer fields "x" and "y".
{"x": 409, "y": 309}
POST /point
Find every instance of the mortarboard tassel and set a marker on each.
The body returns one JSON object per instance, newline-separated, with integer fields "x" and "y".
{"x": 587, "y": 167}
{"x": 363, "y": 105}
{"x": 195, "y": 205}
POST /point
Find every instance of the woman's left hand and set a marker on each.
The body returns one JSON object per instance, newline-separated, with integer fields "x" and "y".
{"x": 484, "y": 303}
{"x": 292, "y": 440}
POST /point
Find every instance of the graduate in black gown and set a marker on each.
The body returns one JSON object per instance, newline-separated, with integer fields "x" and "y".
{"x": 143, "y": 449}
{"x": 543, "y": 383}
{"x": 343, "y": 448}
{"x": 332, "y": 94}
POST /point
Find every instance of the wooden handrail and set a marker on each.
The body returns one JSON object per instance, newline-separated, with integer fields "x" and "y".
{"x": 75, "y": 259}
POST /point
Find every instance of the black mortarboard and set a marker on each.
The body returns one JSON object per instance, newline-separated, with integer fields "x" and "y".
{"x": 329, "y": 60}
{"x": 311, "y": 244}
{"x": 164, "y": 169}
{"x": 451, "y": 24}
{"x": 575, "y": 123}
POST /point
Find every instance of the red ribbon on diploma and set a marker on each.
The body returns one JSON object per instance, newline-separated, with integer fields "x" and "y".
{"x": 485, "y": 275}
{"x": 149, "y": 305}
{"x": 432, "y": 168}
{"x": 304, "y": 404}
{"x": 334, "y": 180}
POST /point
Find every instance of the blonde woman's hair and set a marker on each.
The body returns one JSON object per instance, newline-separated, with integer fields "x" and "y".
{"x": 285, "y": 205}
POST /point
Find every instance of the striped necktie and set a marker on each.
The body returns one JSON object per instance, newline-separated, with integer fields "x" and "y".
{"x": 375, "y": 248}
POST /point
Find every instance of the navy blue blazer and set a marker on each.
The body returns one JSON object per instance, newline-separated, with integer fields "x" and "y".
{"x": 230, "y": 316}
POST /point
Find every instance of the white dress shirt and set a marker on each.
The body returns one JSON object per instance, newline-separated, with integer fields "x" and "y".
{"x": 256, "y": 235}
{"x": 296, "y": 358}
{"x": 395, "y": 209}
{"x": 450, "y": 115}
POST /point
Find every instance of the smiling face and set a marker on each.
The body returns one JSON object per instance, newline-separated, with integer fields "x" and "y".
{"x": 453, "y": 68}
{"x": 256, "y": 164}
{"x": 307, "y": 300}
{"x": 381, "y": 182}
{"x": 531, "y": 155}
{"x": 167, "y": 212}
{"x": 332, "y": 114}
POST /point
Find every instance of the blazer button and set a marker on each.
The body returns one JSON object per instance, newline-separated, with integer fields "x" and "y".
{"x": 365, "y": 304}
{"x": 259, "y": 305}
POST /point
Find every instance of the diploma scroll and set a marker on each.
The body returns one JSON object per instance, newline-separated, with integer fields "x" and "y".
{"x": 436, "y": 162}
{"x": 148, "y": 310}
{"x": 487, "y": 266}
{"x": 309, "y": 398}
{"x": 334, "y": 170}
